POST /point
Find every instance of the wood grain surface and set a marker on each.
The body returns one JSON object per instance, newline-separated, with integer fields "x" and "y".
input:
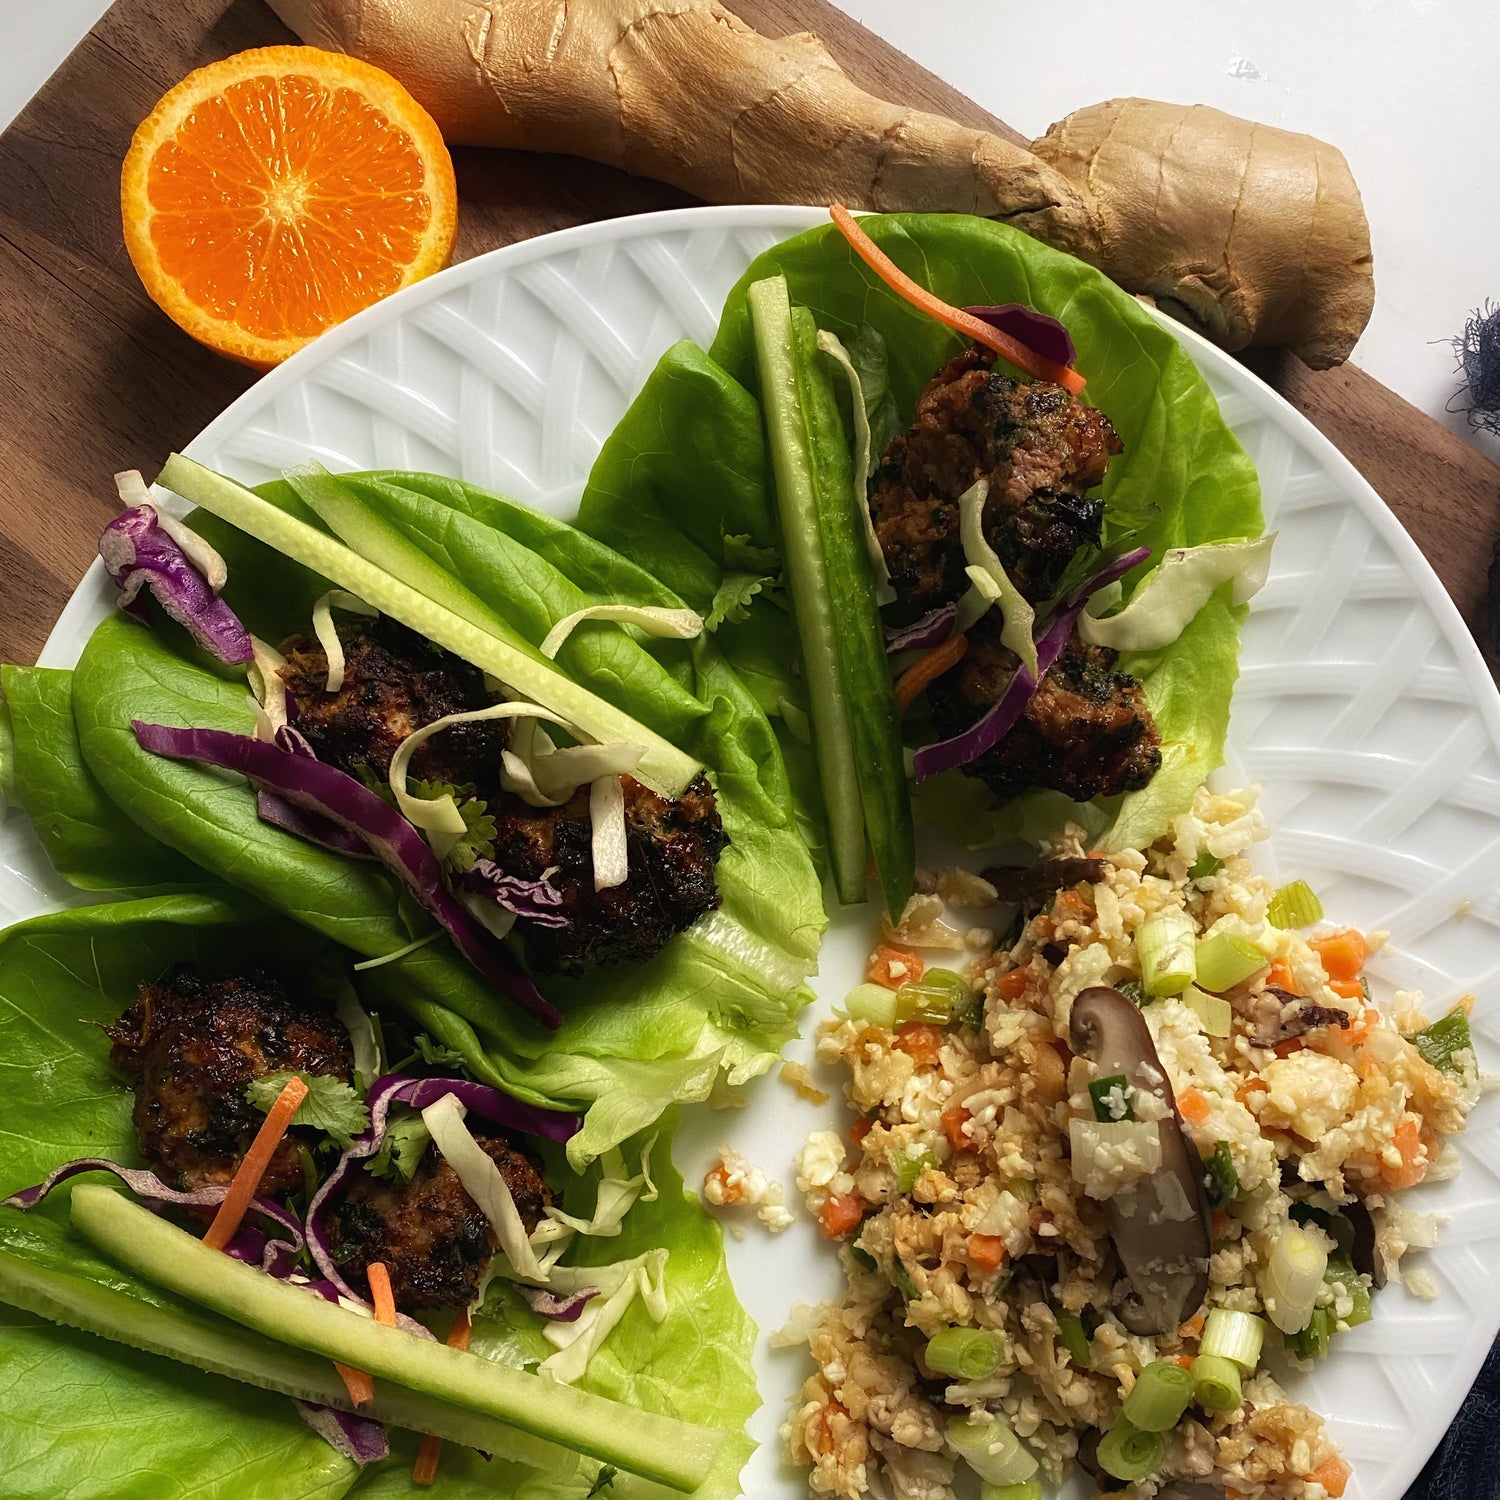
{"x": 94, "y": 378}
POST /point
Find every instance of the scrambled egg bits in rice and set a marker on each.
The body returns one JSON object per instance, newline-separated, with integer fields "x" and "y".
{"x": 1036, "y": 1276}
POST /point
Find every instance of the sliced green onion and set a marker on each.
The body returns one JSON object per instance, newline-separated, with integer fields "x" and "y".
{"x": 1205, "y": 865}
{"x": 965, "y": 1353}
{"x": 1159, "y": 1397}
{"x": 901, "y": 1280}
{"x": 1215, "y": 1015}
{"x": 1111, "y": 1098}
{"x": 1227, "y": 959}
{"x": 1031, "y": 1489}
{"x": 1219, "y": 1175}
{"x": 1023, "y": 1188}
{"x": 991, "y": 1449}
{"x": 940, "y": 997}
{"x": 1311, "y": 1341}
{"x": 872, "y": 1002}
{"x": 1128, "y": 1453}
{"x": 862, "y": 1258}
{"x": 1131, "y": 989}
{"x": 1295, "y": 905}
{"x": 1293, "y": 1278}
{"x": 1216, "y": 1383}
{"x": 1440, "y": 1042}
{"x": 1165, "y": 948}
{"x": 909, "y": 1168}
{"x": 1341, "y": 1273}
{"x": 1233, "y": 1335}
{"x": 1075, "y": 1338}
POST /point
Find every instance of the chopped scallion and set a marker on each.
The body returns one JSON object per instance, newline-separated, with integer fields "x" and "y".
{"x": 1165, "y": 948}
{"x": 909, "y": 1168}
{"x": 1227, "y": 959}
{"x": 1075, "y": 1338}
{"x": 1128, "y": 1453}
{"x": 1219, "y": 1175}
{"x": 1440, "y": 1042}
{"x": 1030, "y": 1489}
{"x": 941, "y": 997}
{"x": 901, "y": 1280}
{"x": 1111, "y": 1098}
{"x": 1214, "y": 1013}
{"x": 965, "y": 1353}
{"x": 1205, "y": 865}
{"x": 873, "y": 1003}
{"x": 1312, "y": 1340}
{"x": 1293, "y": 1278}
{"x": 1023, "y": 1188}
{"x": 1159, "y": 1397}
{"x": 1233, "y": 1335}
{"x": 1295, "y": 905}
{"x": 991, "y": 1449}
{"x": 1216, "y": 1383}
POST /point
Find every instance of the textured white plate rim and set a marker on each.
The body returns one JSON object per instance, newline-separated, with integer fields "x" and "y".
{"x": 69, "y": 633}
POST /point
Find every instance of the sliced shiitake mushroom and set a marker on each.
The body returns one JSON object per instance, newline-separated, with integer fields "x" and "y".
{"x": 1036, "y": 882}
{"x": 1161, "y": 1229}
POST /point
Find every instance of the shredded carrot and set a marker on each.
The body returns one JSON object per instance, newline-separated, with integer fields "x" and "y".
{"x": 1028, "y": 361}
{"x": 1290, "y": 1045}
{"x": 729, "y": 1191}
{"x": 1193, "y": 1328}
{"x": 1333, "y": 1474}
{"x": 860, "y": 1129}
{"x": 359, "y": 1385}
{"x": 1280, "y": 976}
{"x": 247, "y": 1178}
{"x": 1342, "y": 954}
{"x": 1347, "y": 989}
{"x": 424, "y": 1471}
{"x": 840, "y": 1216}
{"x": 380, "y": 1293}
{"x": 920, "y": 1042}
{"x": 1193, "y": 1105}
{"x": 1408, "y": 1141}
{"x": 1012, "y": 984}
{"x": 930, "y": 664}
{"x": 987, "y": 1251}
{"x": 894, "y": 967}
{"x": 953, "y": 1121}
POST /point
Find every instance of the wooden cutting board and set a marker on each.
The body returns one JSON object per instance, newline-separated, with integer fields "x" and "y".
{"x": 93, "y": 378}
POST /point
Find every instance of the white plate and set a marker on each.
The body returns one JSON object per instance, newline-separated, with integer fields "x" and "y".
{"x": 1363, "y": 708}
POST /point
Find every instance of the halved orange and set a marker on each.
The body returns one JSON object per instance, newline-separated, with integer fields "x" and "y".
{"x": 269, "y": 196}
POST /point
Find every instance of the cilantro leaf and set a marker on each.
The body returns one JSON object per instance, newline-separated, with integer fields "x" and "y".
{"x": 435, "y": 1055}
{"x": 406, "y": 1138}
{"x": 603, "y": 1481}
{"x": 732, "y": 598}
{"x": 331, "y": 1105}
{"x": 741, "y": 556}
{"x": 477, "y": 841}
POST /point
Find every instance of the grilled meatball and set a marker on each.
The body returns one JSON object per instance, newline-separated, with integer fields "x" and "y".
{"x": 191, "y": 1044}
{"x": 429, "y": 1232}
{"x": 673, "y": 847}
{"x": 1086, "y": 731}
{"x": 1040, "y": 449}
{"x": 394, "y": 683}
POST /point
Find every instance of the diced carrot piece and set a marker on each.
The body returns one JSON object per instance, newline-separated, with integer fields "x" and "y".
{"x": 841, "y": 1216}
{"x": 1333, "y": 1474}
{"x": 424, "y": 1471}
{"x": 1342, "y": 954}
{"x": 250, "y": 1171}
{"x": 1408, "y": 1141}
{"x": 1359, "y": 1029}
{"x": 894, "y": 967}
{"x": 921, "y": 1042}
{"x": 1193, "y": 1105}
{"x": 1193, "y": 1328}
{"x": 1218, "y": 1226}
{"x": 1347, "y": 989}
{"x": 860, "y": 1129}
{"x": 1012, "y": 984}
{"x": 1290, "y": 1045}
{"x": 954, "y": 1121}
{"x": 987, "y": 1251}
{"x": 925, "y": 668}
{"x": 1184, "y": 1361}
{"x": 1251, "y": 1086}
{"x": 729, "y": 1190}
{"x": 1280, "y": 977}
{"x": 825, "y": 1423}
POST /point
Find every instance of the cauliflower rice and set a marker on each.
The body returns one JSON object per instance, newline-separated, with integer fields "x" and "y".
{"x": 974, "y": 1190}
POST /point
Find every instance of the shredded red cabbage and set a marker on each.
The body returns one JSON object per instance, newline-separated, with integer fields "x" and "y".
{"x": 395, "y": 1088}
{"x": 536, "y": 900}
{"x": 138, "y": 554}
{"x": 357, "y": 1438}
{"x": 250, "y": 1244}
{"x": 931, "y": 630}
{"x": 1046, "y": 336}
{"x": 558, "y": 1309}
{"x": 313, "y": 787}
{"x": 279, "y": 813}
{"x": 984, "y": 735}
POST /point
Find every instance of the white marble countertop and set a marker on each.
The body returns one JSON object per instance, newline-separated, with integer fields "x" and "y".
{"x": 1406, "y": 88}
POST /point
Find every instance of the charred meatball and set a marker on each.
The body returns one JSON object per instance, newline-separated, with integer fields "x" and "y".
{"x": 1040, "y": 449}
{"x": 394, "y": 682}
{"x": 429, "y": 1232}
{"x": 1086, "y": 731}
{"x": 673, "y": 847}
{"x": 191, "y": 1044}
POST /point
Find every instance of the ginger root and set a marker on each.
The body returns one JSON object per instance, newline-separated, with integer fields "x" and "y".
{"x": 1250, "y": 234}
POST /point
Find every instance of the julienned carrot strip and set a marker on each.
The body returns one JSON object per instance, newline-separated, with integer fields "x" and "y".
{"x": 359, "y": 1385}
{"x": 1028, "y": 361}
{"x": 380, "y": 1293}
{"x": 242, "y": 1189}
{"x": 922, "y": 671}
{"x": 424, "y": 1471}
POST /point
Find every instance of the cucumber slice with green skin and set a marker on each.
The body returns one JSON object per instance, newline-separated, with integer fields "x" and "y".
{"x": 181, "y": 1332}
{"x": 806, "y": 572}
{"x": 664, "y": 768}
{"x": 673, "y": 1453}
